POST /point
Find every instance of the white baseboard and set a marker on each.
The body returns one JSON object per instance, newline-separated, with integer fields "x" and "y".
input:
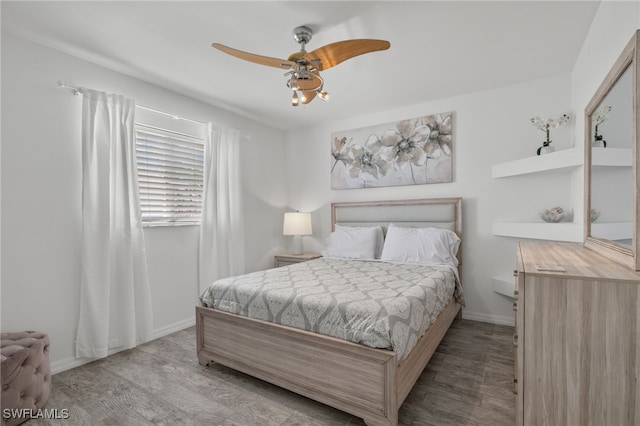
{"x": 172, "y": 328}
{"x": 491, "y": 319}
{"x": 72, "y": 362}
{"x": 67, "y": 364}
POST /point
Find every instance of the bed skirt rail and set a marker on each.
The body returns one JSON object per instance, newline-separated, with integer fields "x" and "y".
{"x": 362, "y": 381}
{"x": 350, "y": 377}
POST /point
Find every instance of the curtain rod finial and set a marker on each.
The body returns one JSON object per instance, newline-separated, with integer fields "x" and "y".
{"x": 64, "y": 85}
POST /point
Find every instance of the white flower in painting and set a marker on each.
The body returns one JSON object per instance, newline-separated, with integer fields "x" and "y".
{"x": 368, "y": 162}
{"x": 339, "y": 152}
{"x": 407, "y": 142}
{"x": 439, "y": 139}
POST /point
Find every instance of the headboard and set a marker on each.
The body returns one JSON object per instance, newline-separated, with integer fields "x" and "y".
{"x": 435, "y": 212}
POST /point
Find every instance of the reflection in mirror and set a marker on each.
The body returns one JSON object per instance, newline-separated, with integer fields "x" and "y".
{"x": 612, "y": 188}
{"x": 612, "y": 179}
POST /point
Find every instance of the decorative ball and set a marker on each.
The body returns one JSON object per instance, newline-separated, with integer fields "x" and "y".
{"x": 552, "y": 215}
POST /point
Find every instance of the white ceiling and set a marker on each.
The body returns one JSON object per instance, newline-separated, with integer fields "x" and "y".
{"x": 438, "y": 49}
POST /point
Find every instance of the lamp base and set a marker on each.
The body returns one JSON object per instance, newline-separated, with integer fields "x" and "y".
{"x": 297, "y": 244}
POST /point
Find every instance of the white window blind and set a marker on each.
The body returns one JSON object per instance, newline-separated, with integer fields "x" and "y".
{"x": 170, "y": 166}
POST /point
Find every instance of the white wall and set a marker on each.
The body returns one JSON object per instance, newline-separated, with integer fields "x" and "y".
{"x": 41, "y": 188}
{"x": 490, "y": 127}
{"x": 612, "y": 28}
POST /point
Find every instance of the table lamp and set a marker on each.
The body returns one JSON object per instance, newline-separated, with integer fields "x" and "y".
{"x": 297, "y": 224}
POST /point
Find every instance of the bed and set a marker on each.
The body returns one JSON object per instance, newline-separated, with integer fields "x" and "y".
{"x": 367, "y": 382}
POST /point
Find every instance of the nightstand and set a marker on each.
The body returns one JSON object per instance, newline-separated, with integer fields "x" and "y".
{"x": 290, "y": 259}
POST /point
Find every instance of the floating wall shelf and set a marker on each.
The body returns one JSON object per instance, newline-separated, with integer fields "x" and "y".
{"x": 612, "y": 230}
{"x": 562, "y": 231}
{"x": 503, "y": 285}
{"x": 565, "y": 159}
{"x": 612, "y": 157}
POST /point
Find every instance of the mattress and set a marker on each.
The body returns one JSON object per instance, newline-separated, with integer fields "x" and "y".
{"x": 377, "y": 304}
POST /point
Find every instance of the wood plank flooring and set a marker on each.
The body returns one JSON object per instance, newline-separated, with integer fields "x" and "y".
{"x": 468, "y": 382}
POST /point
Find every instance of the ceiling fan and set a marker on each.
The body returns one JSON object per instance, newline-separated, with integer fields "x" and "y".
{"x": 303, "y": 75}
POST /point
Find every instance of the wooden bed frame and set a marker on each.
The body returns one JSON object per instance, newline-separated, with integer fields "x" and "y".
{"x": 357, "y": 379}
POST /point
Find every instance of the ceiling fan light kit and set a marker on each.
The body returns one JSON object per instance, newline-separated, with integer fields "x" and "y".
{"x": 303, "y": 75}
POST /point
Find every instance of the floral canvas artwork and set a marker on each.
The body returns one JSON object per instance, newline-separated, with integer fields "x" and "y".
{"x": 408, "y": 152}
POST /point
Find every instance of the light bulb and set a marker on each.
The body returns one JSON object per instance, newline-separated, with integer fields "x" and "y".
{"x": 294, "y": 99}
{"x": 323, "y": 95}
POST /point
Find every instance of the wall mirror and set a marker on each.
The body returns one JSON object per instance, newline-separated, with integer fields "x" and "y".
{"x": 612, "y": 181}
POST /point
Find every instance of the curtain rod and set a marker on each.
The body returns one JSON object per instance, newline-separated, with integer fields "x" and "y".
{"x": 77, "y": 92}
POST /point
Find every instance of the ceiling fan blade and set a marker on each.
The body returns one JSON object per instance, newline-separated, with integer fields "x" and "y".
{"x": 258, "y": 59}
{"x": 334, "y": 53}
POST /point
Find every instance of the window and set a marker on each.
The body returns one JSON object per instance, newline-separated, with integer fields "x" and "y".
{"x": 170, "y": 166}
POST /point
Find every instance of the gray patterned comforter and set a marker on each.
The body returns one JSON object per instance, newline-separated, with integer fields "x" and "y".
{"x": 377, "y": 304}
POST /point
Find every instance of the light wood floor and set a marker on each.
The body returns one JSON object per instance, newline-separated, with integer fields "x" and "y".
{"x": 467, "y": 382}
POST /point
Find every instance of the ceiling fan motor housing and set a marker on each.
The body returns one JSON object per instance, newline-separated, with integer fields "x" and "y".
{"x": 302, "y": 35}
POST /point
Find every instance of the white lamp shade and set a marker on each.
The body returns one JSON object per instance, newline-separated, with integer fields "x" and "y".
{"x": 297, "y": 223}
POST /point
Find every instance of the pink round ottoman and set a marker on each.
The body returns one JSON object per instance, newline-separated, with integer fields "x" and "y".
{"x": 26, "y": 375}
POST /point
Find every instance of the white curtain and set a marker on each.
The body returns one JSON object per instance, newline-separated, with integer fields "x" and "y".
{"x": 115, "y": 299}
{"x": 222, "y": 230}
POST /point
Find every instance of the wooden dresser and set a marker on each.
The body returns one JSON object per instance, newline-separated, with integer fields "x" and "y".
{"x": 576, "y": 337}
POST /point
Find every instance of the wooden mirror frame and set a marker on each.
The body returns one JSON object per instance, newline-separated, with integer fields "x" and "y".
{"x": 630, "y": 57}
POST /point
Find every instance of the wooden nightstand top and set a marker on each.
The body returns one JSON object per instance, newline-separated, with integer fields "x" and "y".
{"x": 289, "y": 258}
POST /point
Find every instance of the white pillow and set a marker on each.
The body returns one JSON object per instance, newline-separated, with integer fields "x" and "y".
{"x": 353, "y": 242}
{"x": 431, "y": 246}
